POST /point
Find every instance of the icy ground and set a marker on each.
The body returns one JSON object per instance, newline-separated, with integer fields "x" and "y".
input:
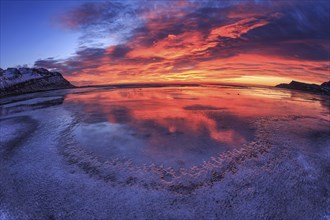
{"x": 103, "y": 154}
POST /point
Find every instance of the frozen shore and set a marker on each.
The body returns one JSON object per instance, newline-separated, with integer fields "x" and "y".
{"x": 282, "y": 173}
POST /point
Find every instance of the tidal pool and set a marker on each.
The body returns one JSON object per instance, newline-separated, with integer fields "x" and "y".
{"x": 177, "y": 127}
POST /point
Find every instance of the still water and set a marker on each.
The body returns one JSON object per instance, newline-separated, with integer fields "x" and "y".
{"x": 176, "y": 127}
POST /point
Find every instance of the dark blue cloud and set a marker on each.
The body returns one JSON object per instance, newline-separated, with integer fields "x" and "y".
{"x": 91, "y": 53}
{"x": 120, "y": 51}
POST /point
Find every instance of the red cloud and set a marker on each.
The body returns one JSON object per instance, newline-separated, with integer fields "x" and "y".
{"x": 191, "y": 42}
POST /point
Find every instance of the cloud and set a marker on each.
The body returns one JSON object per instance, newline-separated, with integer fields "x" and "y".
{"x": 97, "y": 20}
{"x": 120, "y": 51}
{"x": 198, "y": 41}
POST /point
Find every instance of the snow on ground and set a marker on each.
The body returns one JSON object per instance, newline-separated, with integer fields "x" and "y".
{"x": 30, "y": 104}
{"x": 12, "y": 76}
{"x": 282, "y": 174}
{"x": 32, "y": 101}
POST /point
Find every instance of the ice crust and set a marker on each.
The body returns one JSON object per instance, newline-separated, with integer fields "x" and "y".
{"x": 280, "y": 174}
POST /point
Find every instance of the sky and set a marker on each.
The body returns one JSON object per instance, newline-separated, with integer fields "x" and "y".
{"x": 107, "y": 42}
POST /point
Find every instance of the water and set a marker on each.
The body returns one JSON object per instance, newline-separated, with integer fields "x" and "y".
{"x": 176, "y": 127}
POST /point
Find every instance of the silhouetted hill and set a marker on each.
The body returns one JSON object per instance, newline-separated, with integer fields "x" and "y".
{"x": 323, "y": 89}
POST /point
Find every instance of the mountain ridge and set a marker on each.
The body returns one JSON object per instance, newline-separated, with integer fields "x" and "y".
{"x": 16, "y": 81}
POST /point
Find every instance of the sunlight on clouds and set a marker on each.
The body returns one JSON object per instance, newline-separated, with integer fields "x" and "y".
{"x": 258, "y": 80}
{"x": 239, "y": 42}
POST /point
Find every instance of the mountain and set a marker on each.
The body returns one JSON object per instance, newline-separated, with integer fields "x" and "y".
{"x": 323, "y": 89}
{"x": 15, "y": 81}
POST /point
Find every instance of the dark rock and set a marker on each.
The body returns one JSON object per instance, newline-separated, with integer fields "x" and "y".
{"x": 326, "y": 84}
{"x": 15, "y": 81}
{"x": 323, "y": 89}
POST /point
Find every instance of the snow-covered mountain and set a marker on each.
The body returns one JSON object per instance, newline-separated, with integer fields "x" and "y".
{"x": 14, "y": 81}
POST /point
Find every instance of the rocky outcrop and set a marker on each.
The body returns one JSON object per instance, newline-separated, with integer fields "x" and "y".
{"x": 323, "y": 89}
{"x": 326, "y": 84}
{"x": 15, "y": 81}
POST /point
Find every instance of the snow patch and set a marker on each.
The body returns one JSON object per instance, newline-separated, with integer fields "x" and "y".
{"x": 12, "y": 76}
{"x": 5, "y": 215}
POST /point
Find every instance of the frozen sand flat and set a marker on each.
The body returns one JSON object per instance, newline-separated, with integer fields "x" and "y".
{"x": 30, "y": 104}
{"x": 278, "y": 170}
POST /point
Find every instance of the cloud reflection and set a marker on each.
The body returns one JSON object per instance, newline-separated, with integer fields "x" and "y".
{"x": 178, "y": 127}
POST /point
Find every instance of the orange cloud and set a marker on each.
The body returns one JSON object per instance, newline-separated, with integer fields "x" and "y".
{"x": 192, "y": 42}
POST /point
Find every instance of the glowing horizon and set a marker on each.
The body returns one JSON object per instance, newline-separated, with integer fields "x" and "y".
{"x": 245, "y": 42}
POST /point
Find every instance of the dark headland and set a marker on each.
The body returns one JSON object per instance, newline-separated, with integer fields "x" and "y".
{"x": 322, "y": 89}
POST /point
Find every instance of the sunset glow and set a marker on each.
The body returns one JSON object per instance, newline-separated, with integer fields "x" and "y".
{"x": 247, "y": 42}
{"x": 164, "y": 109}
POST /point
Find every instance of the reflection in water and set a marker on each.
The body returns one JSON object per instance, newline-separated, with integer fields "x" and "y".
{"x": 173, "y": 126}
